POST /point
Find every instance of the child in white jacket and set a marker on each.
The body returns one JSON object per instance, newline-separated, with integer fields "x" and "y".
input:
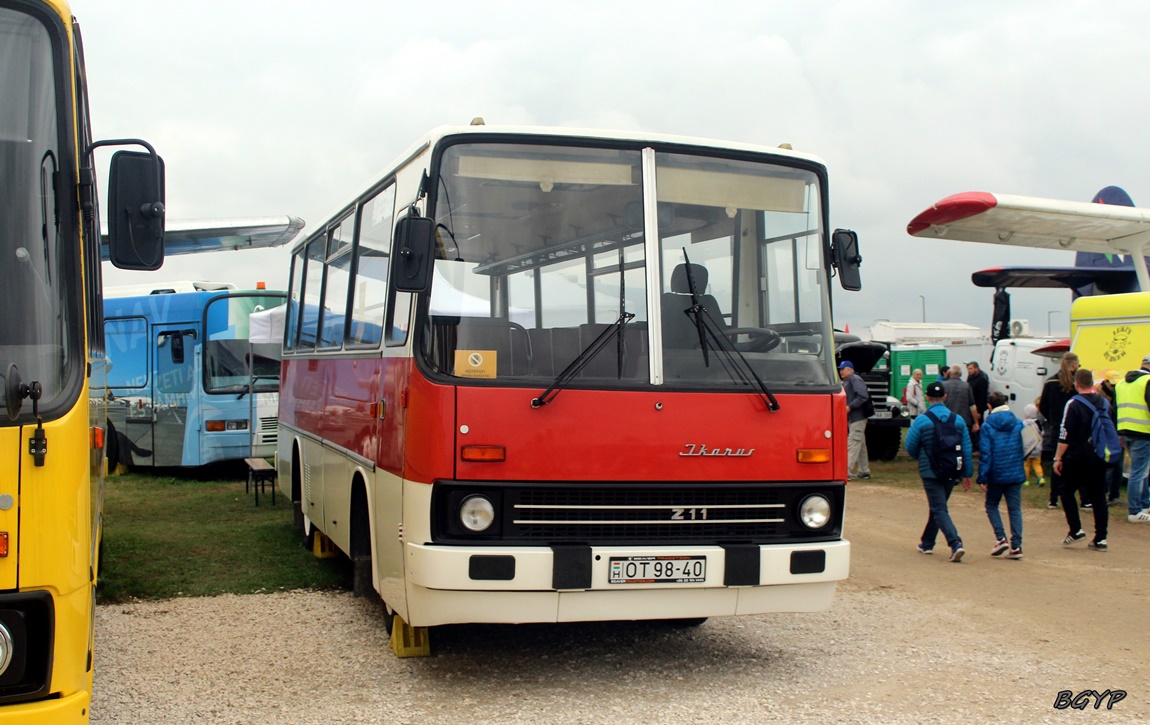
{"x": 1032, "y": 445}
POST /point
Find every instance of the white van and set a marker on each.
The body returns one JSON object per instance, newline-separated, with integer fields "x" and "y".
{"x": 1018, "y": 372}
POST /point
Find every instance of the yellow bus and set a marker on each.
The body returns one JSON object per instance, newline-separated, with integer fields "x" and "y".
{"x": 51, "y": 346}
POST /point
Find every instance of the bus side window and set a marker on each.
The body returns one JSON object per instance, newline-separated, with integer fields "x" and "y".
{"x": 291, "y": 337}
{"x": 338, "y": 272}
{"x": 312, "y": 293}
{"x": 399, "y": 322}
{"x": 372, "y": 255}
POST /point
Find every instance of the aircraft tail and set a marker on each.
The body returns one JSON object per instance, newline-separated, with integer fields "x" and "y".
{"x": 1115, "y": 196}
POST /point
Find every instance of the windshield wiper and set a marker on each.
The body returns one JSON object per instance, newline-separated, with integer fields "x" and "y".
{"x": 49, "y": 156}
{"x": 709, "y": 328}
{"x": 585, "y": 356}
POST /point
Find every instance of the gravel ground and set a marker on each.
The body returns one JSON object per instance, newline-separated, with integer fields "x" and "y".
{"x": 909, "y": 639}
{"x": 316, "y": 657}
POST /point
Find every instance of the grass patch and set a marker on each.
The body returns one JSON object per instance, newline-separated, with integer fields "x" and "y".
{"x": 193, "y": 534}
{"x": 180, "y": 535}
{"x": 902, "y": 472}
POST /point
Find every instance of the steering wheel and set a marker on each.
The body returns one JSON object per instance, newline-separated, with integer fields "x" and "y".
{"x": 763, "y": 339}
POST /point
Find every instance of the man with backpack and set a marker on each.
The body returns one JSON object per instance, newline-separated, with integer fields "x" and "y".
{"x": 1087, "y": 443}
{"x": 939, "y": 439}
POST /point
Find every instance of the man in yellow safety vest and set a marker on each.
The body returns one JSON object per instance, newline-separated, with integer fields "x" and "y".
{"x": 1133, "y": 401}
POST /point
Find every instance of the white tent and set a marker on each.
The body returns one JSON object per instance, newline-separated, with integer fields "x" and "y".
{"x": 267, "y": 326}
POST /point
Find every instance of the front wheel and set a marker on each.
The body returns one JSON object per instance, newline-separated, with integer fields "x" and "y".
{"x": 308, "y": 532}
{"x": 883, "y": 442}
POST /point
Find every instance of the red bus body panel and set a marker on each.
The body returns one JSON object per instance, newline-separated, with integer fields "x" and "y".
{"x": 645, "y": 436}
{"x": 584, "y": 435}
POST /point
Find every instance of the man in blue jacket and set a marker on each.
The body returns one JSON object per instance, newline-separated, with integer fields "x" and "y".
{"x": 919, "y": 440}
{"x": 858, "y": 460}
{"x": 1001, "y": 473}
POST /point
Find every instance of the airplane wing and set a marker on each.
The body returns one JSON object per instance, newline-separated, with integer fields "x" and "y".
{"x": 212, "y": 235}
{"x": 1032, "y": 222}
{"x": 1108, "y": 280}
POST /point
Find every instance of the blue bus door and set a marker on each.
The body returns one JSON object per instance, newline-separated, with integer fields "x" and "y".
{"x": 129, "y": 381}
{"x": 172, "y": 387}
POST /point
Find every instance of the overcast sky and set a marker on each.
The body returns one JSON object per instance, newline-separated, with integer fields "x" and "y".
{"x": 271, "y": 108}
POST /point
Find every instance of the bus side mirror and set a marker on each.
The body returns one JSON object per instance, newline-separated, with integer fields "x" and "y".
{"x": 136, "y": 211}
{"x": 413, "y": 258}
{"x": 845, "y": 257}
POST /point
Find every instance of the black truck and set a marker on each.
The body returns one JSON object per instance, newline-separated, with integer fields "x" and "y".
{"x": 871, "y": 361}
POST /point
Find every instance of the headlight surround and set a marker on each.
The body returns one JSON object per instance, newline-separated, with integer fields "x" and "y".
{"x": 815, "y": 511}
{"x": 476, "y": 513}
{"x": 6, "y": 647}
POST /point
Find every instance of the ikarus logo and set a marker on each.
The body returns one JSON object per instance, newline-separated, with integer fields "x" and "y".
{"x": 698, "y": 449}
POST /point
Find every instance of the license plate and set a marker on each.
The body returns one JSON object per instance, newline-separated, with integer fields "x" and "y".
{"x": 881, "y": 414}
{"x": 658, "y": 569}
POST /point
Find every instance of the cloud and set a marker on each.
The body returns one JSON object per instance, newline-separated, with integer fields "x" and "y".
{"x": 291, "y": 108}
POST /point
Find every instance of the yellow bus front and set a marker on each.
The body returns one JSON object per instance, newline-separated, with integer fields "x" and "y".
{"x": 50, "y": 435}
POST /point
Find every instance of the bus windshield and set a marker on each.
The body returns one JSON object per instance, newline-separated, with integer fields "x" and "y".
{"x": 234, "y": 362}
{"x": 36, "y": 335}
{"x": 543, "y": 249}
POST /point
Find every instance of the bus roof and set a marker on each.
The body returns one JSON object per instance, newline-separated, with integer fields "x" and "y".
{"x": 433, "y": 137}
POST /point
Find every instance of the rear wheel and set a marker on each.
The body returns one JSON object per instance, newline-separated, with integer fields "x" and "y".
{"x": 361, "y": 560}
{"x": 299, "y": 520}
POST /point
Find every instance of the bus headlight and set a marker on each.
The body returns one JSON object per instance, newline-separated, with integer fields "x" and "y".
{"x": 815, "y": 511}
{"x": 476, "y": 513}
{"x": 5, "y": 649}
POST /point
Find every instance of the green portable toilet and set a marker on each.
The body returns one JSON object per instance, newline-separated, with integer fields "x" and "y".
{"x": 905, "y": 358}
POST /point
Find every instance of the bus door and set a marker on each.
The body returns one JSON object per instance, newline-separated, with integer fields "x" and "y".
{"x": 13, "y": 450}
{"x": 129, "y": 382}
{"x": 172, "y": 389}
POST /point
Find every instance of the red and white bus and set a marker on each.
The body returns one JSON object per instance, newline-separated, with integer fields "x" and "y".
{"x": 550, "y": 375}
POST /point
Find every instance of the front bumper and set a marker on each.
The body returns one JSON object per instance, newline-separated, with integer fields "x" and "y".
{"x": 452, "y": 584}
{"x": 71, "y": 709}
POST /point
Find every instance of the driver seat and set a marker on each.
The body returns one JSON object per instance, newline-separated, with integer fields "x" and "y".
{"x": 679, "y": 331}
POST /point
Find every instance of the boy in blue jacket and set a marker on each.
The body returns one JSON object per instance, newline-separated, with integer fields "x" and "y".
{"x": 1001, "y": 473}
{"x": 919, "y": 440}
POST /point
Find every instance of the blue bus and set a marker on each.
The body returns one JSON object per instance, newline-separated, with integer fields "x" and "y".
{"x": 187, "y": 383}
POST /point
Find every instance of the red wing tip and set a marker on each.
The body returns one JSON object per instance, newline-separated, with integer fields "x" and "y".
{"x": 951, "y": 209}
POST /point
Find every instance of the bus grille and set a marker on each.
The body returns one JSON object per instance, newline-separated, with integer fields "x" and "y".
{"x": 269, "y": 429}
{"x": 632, "y": 513}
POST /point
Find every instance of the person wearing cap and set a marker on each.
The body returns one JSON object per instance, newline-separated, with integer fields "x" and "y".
{"x": 919, "y": 440}
{"x": 858, "y": 464}
{"x": 1132, "y": 399}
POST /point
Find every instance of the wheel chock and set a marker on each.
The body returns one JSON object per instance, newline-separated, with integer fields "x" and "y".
{"x": 323, "y": 547}
{"x": 408, "y": 641}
